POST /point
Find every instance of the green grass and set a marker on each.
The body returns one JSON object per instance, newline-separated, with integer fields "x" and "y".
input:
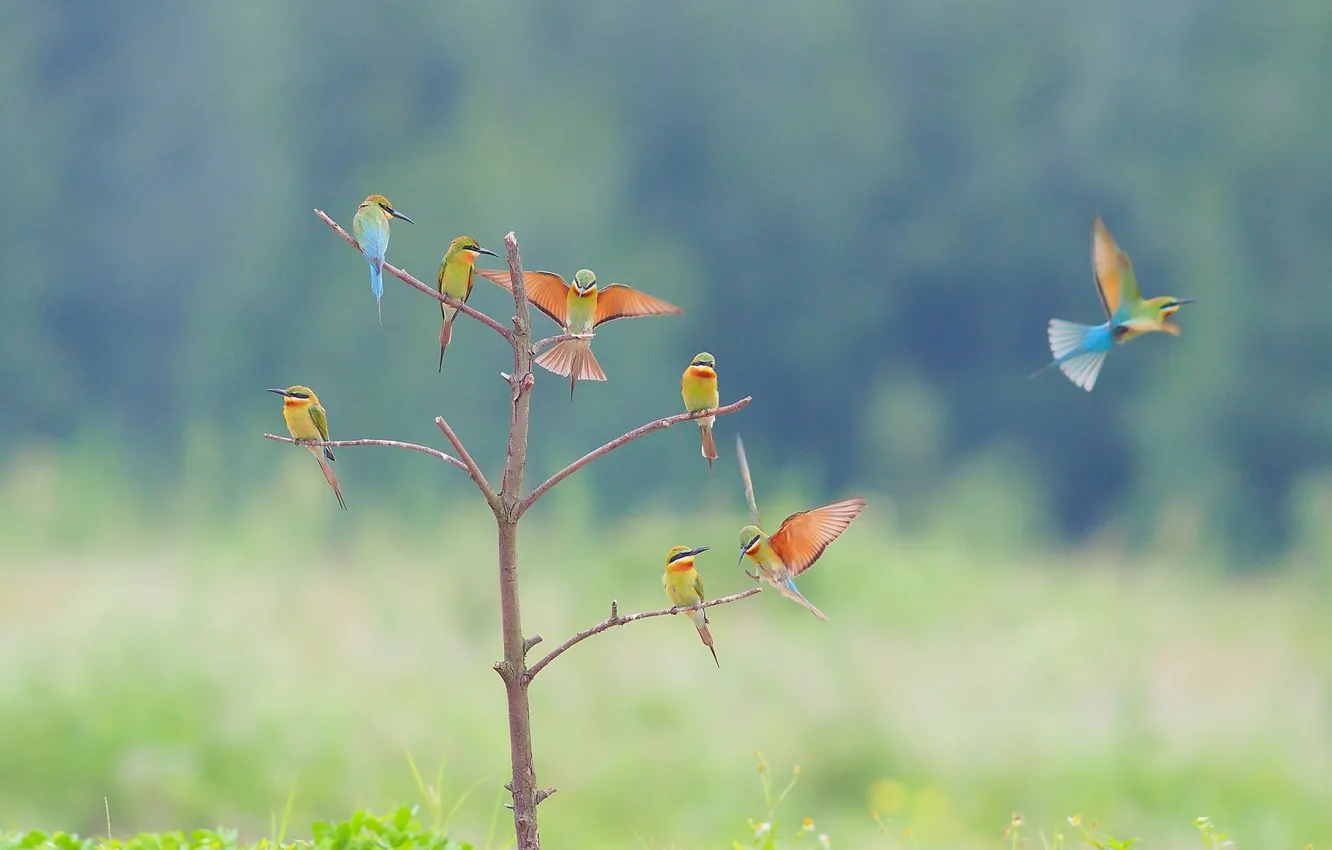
{"x": 396, "y": 830}
{"x": 186, "y": 676}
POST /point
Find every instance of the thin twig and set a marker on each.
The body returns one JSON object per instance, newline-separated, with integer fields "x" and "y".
{"x": 749, "y": 490}
{"x": 467, "y": 463}
{"x": 641, "y": 431}
{"x": 407, "y": 278}
{"x": 392, "y": 444}
{"x": 749, "y": 482}
{"x": 551, "y": 340}
{"x": 616, "y": 620}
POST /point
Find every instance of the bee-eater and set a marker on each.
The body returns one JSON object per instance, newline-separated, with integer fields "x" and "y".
{"x": 796, "y": 545}
{"x": 306, "y": 420}
{"x": 371, "y": 229}
{"x": 1079, "y": 350}
{"x": 578, "y": 309}
{"x": 698, "y": 387}
{"x": 455, "y": 279}
{"x": 684, "y": 587}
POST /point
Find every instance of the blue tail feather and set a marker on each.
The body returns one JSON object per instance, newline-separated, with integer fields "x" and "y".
{"x": 1079, "y": 351}
{"x": 376, "y": 279}
{"x": 377, "y": 286}
{"x": 790, "y": 585}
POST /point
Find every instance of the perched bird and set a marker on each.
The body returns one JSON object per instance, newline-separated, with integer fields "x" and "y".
{"x": 698, "y": 387}
{"x": 578, "y": 309}
{"x": 371, "y": 229}
{"x": 796, "y": 545}
{"x": 684, "y": 587}
{"x": 1079, "y": 350}
{"x": 306, "y": 420}
{"x": 455, "y": 279}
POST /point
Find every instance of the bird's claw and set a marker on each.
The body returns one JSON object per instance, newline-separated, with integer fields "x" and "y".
{"x": 751, "y": 575}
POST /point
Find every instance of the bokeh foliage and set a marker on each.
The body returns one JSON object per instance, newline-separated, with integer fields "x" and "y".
{"x": 191, "y": 671}
{"x": 869, "y": 211}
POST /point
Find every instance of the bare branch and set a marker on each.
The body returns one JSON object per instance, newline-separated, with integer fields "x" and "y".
{"x": 407, "y": 278}
{"x": 522, "y": 318}
{"x": 523, "y": 785}
{"x": 393, "y": 444}
{"x": 520, "y": 382}
{"x": 551, "y": 340}
{"x": 641, "y": 431}
{"x": 467, "y": 463}
{"x": 616, "y": 620}
{"x": 749, "y": 482}
{"x": 544, "y": 793}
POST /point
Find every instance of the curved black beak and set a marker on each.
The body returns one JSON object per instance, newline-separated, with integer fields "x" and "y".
{"x": 397, "y": 214}
{"x": 697, "y": 551}
{"x": 282, "y": 393}
{"x": 487, "y": 252}
{"x": 1186, "y": 300}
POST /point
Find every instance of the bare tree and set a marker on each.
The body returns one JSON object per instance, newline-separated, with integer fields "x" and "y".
{"x": 509, "y": 504}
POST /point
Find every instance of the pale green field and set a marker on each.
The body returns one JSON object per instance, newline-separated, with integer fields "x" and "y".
{"x": 191, "y": 677}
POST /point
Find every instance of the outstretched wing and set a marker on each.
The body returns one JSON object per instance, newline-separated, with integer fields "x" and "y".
{"x": 1112, "y": 270}
{"x": 803, "y": 536}
{"x": 546, "y": 291}
{"x": 618, "y": 301}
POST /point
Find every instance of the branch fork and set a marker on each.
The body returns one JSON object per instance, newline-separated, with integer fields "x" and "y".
{"x": 508, "y": 505}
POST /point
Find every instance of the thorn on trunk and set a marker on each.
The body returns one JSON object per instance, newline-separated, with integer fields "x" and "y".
{"x": 531, "y": 642}
{"x": 544, "y": 793}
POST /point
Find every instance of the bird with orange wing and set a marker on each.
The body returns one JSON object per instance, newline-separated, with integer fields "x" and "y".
{"x": 579, "y": 309}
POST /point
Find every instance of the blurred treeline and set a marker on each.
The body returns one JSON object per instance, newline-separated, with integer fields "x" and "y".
{"x": 869, "y": 211}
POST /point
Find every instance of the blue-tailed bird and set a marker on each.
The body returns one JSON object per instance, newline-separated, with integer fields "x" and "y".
{"x": 797, "y": 543}
{"x": 1079, "y": 350}
{"x": 579, "y": 309}
{"x": 371, "y": 229}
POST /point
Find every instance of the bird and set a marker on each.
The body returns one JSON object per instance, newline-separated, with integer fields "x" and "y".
{"x": 371, "y": 228}
{"x": 684, "y": 587}
{"x": 579, "y": 309}
{"x": 455, "y": 279}
{"x": 306, "y": 420}
{"x": 1079, "y": 350}
{"x": 796, "y": 545}
{"x": 698, "y": 388}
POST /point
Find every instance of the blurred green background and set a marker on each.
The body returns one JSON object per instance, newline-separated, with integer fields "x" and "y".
{"x": 1057, "y": 602}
